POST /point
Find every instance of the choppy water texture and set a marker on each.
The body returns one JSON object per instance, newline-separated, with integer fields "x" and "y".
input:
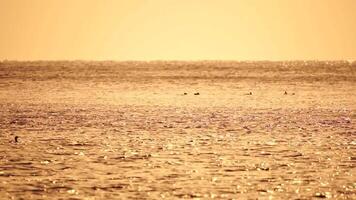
{"x": 108, "y": 130}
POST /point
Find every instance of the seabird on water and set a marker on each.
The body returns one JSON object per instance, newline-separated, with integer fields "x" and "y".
{"x": 16, "y": 139}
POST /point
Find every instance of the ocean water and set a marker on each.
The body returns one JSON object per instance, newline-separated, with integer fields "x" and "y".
{"x": 138, "y": 130}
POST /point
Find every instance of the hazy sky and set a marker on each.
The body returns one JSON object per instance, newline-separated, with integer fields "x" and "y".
{"x": 177, "y": 29}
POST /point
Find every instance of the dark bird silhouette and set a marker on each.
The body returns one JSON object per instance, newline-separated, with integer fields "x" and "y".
{"x": 285, "y": 93}
{"x": 197, "y": 93}
{"x": 185, "y": 93}
{"x": 16, "y": 139}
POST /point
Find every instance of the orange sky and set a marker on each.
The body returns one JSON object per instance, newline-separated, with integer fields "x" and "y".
{"x": 177, "y": 29}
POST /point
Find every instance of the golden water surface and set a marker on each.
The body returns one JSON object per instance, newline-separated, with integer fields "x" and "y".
{"x": 135, "y": 130}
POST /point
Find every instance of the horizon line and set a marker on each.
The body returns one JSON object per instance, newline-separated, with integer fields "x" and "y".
{"x": 178, "y": 60}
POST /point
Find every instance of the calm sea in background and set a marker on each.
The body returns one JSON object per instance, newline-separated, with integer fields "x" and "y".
{"x": 171, "y": 129}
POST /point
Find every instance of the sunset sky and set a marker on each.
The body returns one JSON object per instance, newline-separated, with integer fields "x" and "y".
{"x": 177, "y": 29}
